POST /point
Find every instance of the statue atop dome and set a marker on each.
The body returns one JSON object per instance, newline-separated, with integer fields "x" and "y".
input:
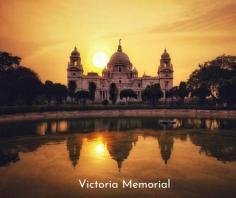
{"x": 119, "y": 46}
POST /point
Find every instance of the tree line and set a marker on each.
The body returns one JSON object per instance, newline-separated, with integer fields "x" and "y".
{"x": 214, "y": 82}
{"x": 20, "y": 85}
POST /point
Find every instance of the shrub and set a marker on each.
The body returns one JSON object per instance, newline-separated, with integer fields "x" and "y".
{"x": 105, "y": 102}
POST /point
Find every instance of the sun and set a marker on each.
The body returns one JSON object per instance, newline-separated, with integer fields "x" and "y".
{"x": 100, "y": 148}
{"x": 100, "y": 59}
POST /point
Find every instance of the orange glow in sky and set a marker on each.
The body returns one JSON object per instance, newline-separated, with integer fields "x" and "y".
{"x": 45, "y": 32}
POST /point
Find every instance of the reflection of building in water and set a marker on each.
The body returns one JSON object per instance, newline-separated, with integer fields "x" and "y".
{"x": 120, "y": 145}
{"x": 199, "y": 123}
{"x": 178, "y": 123}
{"x": 74, "y": 145}
{"x": 83, "y": 125}
{"x": 49, "y": 127}
{"x": 212, "y": 124}
{"x": 42, "y": 128}
{"x": 124, "y": 124}
{"x": 166, "y": 143}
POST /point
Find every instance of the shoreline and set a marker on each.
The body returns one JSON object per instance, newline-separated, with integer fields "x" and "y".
{"x": 190, "y": 113}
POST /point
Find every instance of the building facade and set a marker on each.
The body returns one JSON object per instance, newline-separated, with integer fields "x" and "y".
{"x": 120, "y": 71}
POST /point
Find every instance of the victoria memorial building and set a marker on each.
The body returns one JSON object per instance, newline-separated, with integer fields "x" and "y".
{"x": 121, "y": 71}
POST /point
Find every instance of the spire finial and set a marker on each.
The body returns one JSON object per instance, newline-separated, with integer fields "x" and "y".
{"x": 119, "y": 46}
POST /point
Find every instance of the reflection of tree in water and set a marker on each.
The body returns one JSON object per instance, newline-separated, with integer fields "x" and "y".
{"x": 227, "y": 124}
{"x": 74, "y": 145}
{"x": 166, "y": 142}
{"x": 221, "y": 147}
{"x": 7, "y": 157}
{"x": 110, "y": 124}
{"x": 17, "y": 129}
{"x": 9, "y": 152}
{"x": 119, "y": 146}
{"x": 120, "y": 143}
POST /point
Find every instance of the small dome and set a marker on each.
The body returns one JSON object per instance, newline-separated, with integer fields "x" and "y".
{"x": 165, "y": 55}
{"x": 75, "y": 52}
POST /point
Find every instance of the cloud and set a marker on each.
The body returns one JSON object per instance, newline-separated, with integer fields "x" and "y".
{"x": 219, "y": 19}
{"x": 210, "y": 22}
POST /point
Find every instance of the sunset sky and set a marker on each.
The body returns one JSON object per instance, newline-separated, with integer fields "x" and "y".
{"x": 44, "y": 32}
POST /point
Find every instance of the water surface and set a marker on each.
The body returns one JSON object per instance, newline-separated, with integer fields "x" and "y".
{"x": 47, "y": 158}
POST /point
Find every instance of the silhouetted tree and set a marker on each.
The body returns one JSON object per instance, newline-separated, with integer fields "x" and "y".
{"x": 113, "y": 92}
{"x": 105, "y": 102}
{"x": 92, "y": 89}
{"x": 11, "y": 73}
{"x": 202, "y": 92}
{"x": 7, "y": 61}
{"x": 49, "y": 90}
{"x": 213, "y": 73}
{"x": 227, "y": 91}
{"x": 60, "y": 92}
{"x": 127, "y": 93}
{"x": 152, "y": 93}
{"x": 82, "y": 96}
{"x": 71, "y": 88}
{"x": 29, "y": 88}
{"x": 182, "y": 91}
{"x": 172, "y": 93}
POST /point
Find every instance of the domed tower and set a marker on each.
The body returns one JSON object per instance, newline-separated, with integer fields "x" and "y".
{"x": 75, "y": 68}
{"x": 166, "y": 143}
{"x": 119, "y": 68}
{"x": 165, "y": 72}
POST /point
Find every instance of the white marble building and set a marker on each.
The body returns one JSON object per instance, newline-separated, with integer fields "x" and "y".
{"x": 120, "y": 71}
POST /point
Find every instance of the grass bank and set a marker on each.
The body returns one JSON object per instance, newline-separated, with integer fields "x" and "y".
{"x": 55, "y": 108}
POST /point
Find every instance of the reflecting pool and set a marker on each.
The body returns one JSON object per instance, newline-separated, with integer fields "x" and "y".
{"x": 48, "y": 158}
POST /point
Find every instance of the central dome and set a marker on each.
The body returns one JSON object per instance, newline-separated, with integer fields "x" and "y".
{"x": 119, "y": 58}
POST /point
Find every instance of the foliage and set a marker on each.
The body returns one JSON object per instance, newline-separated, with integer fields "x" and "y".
{"x": 21, "y": 85}
{"x": 7, "y": 61}
{"x": 113, "y": 92}
{"x": 227, "y": 91}
{"x": 92, "y": 89}
{"x": 105, "y": 102}
{"x": 29, "y": 88}
{"x": 12, "y": 80}
{"x": 213, "y": 73}
{"x": 202, "y": 92}
{"x": 60, "y": 92}
{"x": 49, "y": 90}
{"x": 152, "y": 93}
{"x": 71, "y": 88}
{"x": 127, "y": 93}
{"x": 172, "y": 93}
{"x": 82, "y": 96}
{"x": 182, "y": 91}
